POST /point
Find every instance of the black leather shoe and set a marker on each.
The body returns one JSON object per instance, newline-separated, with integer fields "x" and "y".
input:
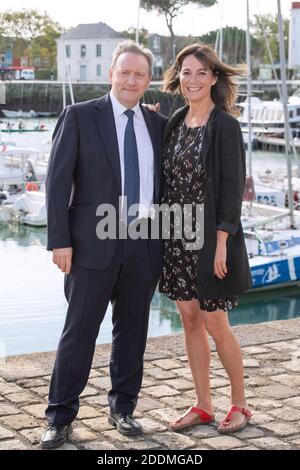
{"x": 125, "y": 424}
{"x": 55, "y": 436}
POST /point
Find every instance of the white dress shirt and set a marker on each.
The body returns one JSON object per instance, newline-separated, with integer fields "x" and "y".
{"x": 145, "y": 153}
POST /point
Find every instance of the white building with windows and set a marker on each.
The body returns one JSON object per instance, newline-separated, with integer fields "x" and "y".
{"x": 85, "y": 52}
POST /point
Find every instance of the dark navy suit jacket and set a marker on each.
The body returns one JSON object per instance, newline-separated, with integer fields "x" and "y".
{"x": 84, "y": 172}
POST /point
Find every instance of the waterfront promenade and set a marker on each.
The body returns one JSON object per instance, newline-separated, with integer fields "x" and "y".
{"x": 272, "y": 375}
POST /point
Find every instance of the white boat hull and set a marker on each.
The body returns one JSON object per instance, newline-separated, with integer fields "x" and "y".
{"x": 19, "y": 114}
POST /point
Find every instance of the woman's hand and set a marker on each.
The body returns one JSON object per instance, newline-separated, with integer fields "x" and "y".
{"x": 152, "y": 107}
{"x": 220, "y": 268}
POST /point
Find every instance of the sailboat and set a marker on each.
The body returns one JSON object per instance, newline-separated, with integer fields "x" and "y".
{"x": 268, "y": 121}
{"x": 274, "y": 257}
{"x": 8, "y": 113}
{"x": 273, "y": 243}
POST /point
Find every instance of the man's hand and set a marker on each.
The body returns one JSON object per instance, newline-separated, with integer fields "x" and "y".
{"x": 62, "y": 257}
{"x": 152, "y": 107}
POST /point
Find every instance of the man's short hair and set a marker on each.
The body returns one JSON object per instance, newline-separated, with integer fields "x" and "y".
{"x": 131, "y": 46}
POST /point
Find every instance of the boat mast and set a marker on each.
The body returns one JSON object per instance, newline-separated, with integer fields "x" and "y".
{"x": 221, "y": 42}
{"x": 137, "y": 32}
{"x": 217, "y": 40}
{"x": 64, "y": 70}
{"x": 70, "y": 84}
{"x": 249, "y": 87}
{"x": 286, "y": 116}
{"x": 293, "y": 148}
{"x": 219, "y": 36}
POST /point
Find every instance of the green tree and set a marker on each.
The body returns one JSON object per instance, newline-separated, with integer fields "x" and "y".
{"x": 171, "y": 9}
{"x": 267, "y": 25}
{"x": 130, "y": 33}
{"x": 234, "y": 43}
{"x": 27, "y": 24}
{"x": 34, "y": 32}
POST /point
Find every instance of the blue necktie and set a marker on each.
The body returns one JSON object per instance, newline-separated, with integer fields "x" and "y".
{"x": 131, "y": 165}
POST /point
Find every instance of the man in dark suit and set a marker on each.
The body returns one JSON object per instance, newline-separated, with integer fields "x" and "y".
{"x": 104, "y": 150}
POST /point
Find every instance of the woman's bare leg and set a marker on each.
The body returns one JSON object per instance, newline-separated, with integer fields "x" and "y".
{"x": 230, "y": 354}
{"x": 198, "y": 352}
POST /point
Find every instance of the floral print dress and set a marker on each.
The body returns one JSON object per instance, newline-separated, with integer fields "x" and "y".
{"x": 185, "y": 183}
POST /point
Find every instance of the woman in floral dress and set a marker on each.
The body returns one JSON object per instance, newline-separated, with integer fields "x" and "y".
{"x": 204, "y": 164}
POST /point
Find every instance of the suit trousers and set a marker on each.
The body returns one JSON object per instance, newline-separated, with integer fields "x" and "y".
{"x": 129, "y": 283}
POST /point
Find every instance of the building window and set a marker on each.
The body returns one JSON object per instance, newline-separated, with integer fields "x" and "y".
{"x": 156, "y": 44}
{"x": 68, "y": 51}
{"x": 298, "y": 111}
{"x": 83, "y": 50}
{"x": 291, "y": 114}
{"x": 98, "y": 70}
{"x": 83, "y": 73}
{"x": 98, "y": 50}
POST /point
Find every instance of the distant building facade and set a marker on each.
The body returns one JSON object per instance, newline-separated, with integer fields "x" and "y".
{"x": 85, "y": 52}
{"x": 6, "y": 56}
{"x": 156, "y": 44}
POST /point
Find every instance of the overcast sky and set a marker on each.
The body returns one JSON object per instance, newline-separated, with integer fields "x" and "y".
{"x": 121, "y": 14}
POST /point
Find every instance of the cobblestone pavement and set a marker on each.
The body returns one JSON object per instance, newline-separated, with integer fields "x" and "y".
{"x": 272, "y": 376}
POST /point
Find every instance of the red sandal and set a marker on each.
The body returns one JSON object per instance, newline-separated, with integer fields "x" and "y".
{"x": 223, "y": 428}
{"x": 201, "y": 418}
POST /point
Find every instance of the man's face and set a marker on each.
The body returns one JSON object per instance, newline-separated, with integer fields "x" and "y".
{"x": 130, "y": 78}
